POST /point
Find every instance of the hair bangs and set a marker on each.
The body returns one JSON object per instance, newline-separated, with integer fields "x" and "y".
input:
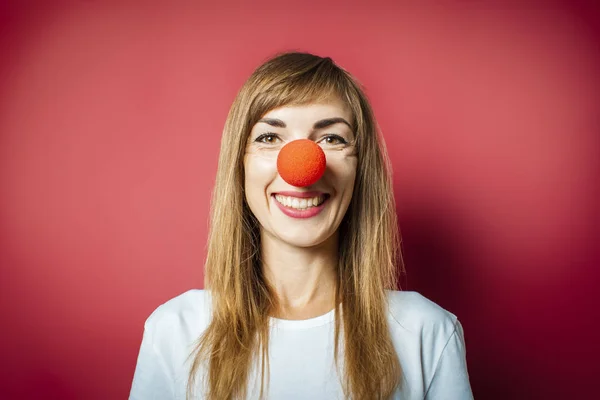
{"x": 317, "y": 82}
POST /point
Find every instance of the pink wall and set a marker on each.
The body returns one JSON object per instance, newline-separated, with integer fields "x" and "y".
{"x": 110, "y": 121}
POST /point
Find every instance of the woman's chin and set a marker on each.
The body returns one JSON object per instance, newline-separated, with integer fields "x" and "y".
{"x": 302, "y": 240}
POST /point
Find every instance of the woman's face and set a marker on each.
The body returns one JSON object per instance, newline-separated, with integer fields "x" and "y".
{"x": 287, "y": 213}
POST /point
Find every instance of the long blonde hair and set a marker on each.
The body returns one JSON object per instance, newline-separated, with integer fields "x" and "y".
{"x": 369, "y": 256}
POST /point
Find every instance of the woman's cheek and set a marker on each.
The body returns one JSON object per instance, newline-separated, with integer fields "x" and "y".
{"x": 261, "y": 166}
{"x": 342, "y": 166}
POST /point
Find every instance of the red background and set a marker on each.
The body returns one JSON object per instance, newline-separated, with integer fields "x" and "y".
{"x": 110, "y": 121}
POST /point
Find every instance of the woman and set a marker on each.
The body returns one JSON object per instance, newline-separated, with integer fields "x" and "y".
{"x": 300, "y": 300}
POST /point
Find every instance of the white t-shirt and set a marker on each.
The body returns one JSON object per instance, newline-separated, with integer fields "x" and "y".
{"x": 428, "y": 339}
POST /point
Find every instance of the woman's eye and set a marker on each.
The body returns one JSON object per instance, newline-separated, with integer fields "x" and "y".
{"x": 334, "y": 139}
{"x": 267, "y": 138}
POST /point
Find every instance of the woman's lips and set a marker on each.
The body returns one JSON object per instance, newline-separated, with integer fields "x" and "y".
{"x": 297, "y": 213}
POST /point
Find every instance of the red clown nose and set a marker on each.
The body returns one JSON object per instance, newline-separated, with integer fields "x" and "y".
{"x": 301, "y": 162}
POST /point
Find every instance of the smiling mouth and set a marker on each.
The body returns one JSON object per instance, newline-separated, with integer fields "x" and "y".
{"x": 299, "y": 203}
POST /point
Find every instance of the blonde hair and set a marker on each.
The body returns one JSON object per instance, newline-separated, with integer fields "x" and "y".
{"x": 369, "y": 256}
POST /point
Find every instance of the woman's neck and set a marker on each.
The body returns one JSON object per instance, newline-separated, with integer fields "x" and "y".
{"x": 304, "y": 279}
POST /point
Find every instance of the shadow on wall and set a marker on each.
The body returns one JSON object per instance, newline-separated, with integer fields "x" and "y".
{"x": 440, "y": 262}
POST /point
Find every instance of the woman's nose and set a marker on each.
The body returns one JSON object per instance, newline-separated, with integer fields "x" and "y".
{"x": 301, "y": 162}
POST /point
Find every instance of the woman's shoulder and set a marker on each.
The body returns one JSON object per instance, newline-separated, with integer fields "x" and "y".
{"x": 185, "y": 314}
{"x": 415, "y": 313}
{"x": 431, "y": 345}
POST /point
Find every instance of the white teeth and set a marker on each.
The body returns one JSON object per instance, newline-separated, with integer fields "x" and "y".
{"x": 299, "y": 203}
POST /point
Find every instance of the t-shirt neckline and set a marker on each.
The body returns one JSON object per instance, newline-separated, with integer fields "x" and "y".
{"x": 303, "y": 323}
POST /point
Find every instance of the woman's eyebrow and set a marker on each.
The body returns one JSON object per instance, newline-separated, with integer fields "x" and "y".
{"x": 277, "y": 123}
{"x": 324, "y": 123}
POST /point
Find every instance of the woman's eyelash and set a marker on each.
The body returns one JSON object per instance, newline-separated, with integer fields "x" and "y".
{"x": 266, "y": 135}
{"x": 337, "y": 137}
